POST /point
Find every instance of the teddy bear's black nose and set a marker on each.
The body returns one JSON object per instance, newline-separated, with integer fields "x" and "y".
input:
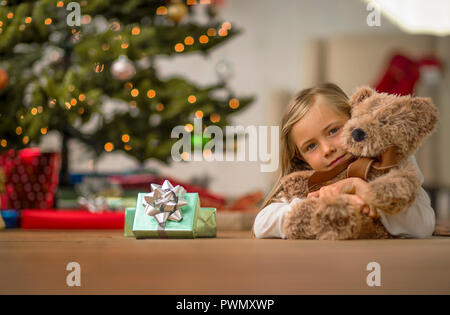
{"x": 358, "y": 135}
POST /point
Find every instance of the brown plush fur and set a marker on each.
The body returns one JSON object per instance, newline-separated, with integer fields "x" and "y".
{"x": 387, "y": 120}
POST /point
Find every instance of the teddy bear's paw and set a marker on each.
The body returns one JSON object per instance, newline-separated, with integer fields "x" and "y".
{"x": 297, "y": 224}
{"x": 337, "y": 218}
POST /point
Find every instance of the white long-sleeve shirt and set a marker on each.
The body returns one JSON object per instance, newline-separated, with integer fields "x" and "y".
{"x": 418, "y": 221}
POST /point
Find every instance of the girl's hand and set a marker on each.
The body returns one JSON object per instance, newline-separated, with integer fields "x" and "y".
{"x": 370, "y": 211}
{"x": 354, "y": 186}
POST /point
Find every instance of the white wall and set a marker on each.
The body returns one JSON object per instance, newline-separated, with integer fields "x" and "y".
{"x": 268, "y": 58}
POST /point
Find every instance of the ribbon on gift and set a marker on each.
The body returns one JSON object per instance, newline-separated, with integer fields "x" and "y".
{"x": 95, "y": 204}
{"x": 164, "y": 203}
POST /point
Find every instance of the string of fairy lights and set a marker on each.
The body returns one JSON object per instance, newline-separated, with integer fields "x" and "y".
{"x": 175, "y": 11}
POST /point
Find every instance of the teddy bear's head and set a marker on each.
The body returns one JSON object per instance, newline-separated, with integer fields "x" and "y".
{"x": 381, "y": 120}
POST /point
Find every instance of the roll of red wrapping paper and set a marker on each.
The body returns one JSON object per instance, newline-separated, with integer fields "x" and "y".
{"x": 68, "y": 219}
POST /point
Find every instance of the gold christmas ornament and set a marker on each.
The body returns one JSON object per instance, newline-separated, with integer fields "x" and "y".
{"x": 177, "y": 11}
{"x": 3, "y": 79}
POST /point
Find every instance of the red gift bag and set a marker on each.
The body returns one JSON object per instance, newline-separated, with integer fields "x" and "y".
{"x": 31, "y": 178}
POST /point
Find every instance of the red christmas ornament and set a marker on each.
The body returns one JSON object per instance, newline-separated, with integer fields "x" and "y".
{"x": 3, "y": 79}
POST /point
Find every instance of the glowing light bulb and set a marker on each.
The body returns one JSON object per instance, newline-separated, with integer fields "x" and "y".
{"x": 233, "y": 103}
{"x": 109, "y": 147}
{"x": 211, "y": 32}
{"x": 185, "y": 156}
{"x": 223, "y": 32}
{"x": 125, "y": 138}
{"x": 179, "y": 47}
{"x": 162, "y": 10}
{"x": 192, "y": 99}
{"x": 226, "y": 25}
{"x": 134, "y": 92}
{"x": 99, "y": 67}
{"x": 199, "y": 114}
{"x": 136, "y": 30}
{"x": 203, "y": 39}
{"x": 189, "y": 40}
{"x": 215, "y": 118}
{"x": 188, "y": 127}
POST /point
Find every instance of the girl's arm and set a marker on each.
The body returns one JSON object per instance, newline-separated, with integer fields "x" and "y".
{"x": 269, "y": 221}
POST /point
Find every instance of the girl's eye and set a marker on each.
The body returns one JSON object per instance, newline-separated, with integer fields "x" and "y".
{"x": 310, "y": 146}
{"x": 334, "y": 130}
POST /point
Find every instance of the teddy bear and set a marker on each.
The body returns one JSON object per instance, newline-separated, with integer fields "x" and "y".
{"x": 382, "y": 132}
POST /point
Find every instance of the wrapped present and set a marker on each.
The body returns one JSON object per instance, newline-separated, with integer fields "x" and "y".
{"x": 69, "y": 198}
{"x": 2, "y": 184}
{"x": 120, "y": 203}
{"x": 140, "y": 182}
{"x": 206, "y": 221}
{"x": 249, "y": 201}
{"x": 171, "y": 212}
{"x": 9, "y": 219}
{"x": 129, "y": 219}
{"x": 71, "y": 219}
{"x": 31, "y": 178}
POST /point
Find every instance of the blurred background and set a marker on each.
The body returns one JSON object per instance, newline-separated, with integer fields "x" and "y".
{"x": 106, "y": 94}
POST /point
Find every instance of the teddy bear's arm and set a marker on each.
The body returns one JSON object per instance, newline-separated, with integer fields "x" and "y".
{"x": 295, "y": 185}
{"x": 396, "y": 190}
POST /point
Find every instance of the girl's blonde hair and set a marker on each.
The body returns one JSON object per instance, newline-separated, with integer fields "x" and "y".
{"x": 291, "y": 160}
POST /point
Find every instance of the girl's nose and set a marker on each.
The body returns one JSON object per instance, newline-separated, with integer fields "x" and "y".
{"x": 328, "y": 149}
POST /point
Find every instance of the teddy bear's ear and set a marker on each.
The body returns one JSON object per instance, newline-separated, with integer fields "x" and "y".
{"x": 361, "y": 94}
{"x": 426, "y": 114}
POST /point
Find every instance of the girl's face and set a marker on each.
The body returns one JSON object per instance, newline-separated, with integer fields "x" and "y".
{"x": 318, "y": 136}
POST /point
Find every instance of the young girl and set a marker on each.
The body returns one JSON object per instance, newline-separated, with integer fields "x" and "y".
{"x": 311, "y": 140}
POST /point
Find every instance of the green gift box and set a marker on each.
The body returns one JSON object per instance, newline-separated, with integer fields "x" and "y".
{"x": 129, "y": 219}
{"x": 196, "y": 221}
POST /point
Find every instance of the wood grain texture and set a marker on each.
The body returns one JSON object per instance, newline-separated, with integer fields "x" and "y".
{"x": 34, "y": 262}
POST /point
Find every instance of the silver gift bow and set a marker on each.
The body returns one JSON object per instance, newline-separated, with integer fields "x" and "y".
{"x": 164, "y": 202}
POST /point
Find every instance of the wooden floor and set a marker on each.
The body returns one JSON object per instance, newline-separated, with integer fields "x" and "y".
{"x": 34, "y": 262}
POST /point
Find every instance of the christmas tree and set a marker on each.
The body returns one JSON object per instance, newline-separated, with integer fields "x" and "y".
{"x": 63, "y": 62}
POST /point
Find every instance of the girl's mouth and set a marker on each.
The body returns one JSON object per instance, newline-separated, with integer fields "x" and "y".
{"x": 337, "y": 160}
